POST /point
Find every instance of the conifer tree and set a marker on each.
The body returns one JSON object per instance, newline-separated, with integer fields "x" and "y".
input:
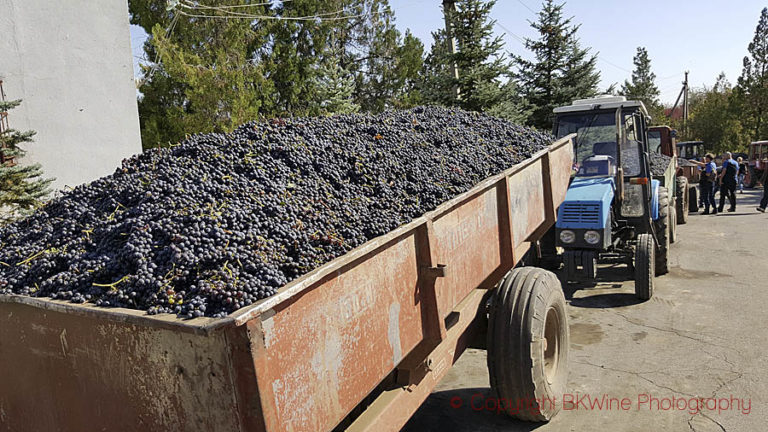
{"x": 561, "y": 70}
{"x": 484, "y": 72}
{"x": 642, "y": 87}
{"x": 22, "y": 187}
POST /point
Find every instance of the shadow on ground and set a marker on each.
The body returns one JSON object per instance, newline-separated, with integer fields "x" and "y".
{"x": 465, "y": 410}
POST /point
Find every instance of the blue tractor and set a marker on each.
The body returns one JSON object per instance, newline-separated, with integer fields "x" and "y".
{"x": 614, "y": 211}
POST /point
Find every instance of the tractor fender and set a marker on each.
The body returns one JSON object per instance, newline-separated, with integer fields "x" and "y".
{"x": 655, "y": 184}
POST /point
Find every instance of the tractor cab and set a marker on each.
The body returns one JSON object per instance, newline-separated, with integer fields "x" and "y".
{"x": 612, "y": 204}
{"x": 691, "y": 149}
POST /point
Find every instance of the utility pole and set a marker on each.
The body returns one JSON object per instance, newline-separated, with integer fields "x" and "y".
{"x": 685, "y": 105}
{"x": 449, "y": 8}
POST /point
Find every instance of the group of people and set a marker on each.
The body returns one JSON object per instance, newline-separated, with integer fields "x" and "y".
{"x": 730, "y": 177}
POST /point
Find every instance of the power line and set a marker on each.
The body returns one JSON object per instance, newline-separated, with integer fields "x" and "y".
{"x": 519, "y": 39}
{"x": 527, "y": 7}
{"x": 197, "y": 5}
{"x": 614, "y": 65}
{"x": 326, "y": 16}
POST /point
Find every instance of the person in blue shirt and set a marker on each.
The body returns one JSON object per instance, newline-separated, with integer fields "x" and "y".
{"x": 729, "y": 179}
{"x": 708, "y": 182}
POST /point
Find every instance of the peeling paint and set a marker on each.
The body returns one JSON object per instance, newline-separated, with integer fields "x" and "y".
{"x": 393, "y": 332}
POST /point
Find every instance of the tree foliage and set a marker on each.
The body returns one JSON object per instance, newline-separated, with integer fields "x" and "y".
{"x": 22, "y": 187}
{"x": 485, "y": 76}
{"x": 752, "y": 89}
{"x": 642, "y": 86}
{"x": 561, "y": 70}
{"x": 212, "y": 73}
{"x": 715, "y": 118}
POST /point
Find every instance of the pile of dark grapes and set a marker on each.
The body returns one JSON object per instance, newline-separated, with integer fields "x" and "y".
{"x": 659, "y": 163}
{"x": 222, "y": 220}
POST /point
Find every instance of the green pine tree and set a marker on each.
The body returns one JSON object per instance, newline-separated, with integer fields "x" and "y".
{"x": 485, "y": 74}
{"x": 334, "y": 87}
{"x": 561, "y": 70}
{"x": 642, "y": 87}
{"x": 205, "y": 78}
{"x": 752, "y": 88}
{"x": 22, "y": 187}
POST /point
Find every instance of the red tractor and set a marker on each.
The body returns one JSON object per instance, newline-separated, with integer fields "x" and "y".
{"x": 758, "y": 162}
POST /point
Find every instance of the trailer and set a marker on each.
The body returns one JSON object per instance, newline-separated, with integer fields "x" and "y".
{"x": 357, "y": 344}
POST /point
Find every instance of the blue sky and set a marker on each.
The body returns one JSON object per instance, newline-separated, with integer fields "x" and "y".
{"x": 704, "y": 37}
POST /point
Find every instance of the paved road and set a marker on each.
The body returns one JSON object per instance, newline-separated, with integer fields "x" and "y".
{"x": 703, "y": 335}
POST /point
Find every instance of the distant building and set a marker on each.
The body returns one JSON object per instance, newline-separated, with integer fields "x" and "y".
{"x": 71, "y": 63}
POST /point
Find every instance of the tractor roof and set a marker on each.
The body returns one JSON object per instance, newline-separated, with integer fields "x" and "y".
{"x": 604, "y": 102}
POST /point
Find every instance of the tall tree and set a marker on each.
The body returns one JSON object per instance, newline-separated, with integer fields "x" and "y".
{"x": 22, "y": 187}
{"x": 642, "y": 87}
{"x": 484, "y": 72}
{"x": 716, "y": 118}
{"x": 204, "y": 77}
{"x": 752, "y": 87}
{"x": 561, "y": 70}
{"x": 388, "y": 63}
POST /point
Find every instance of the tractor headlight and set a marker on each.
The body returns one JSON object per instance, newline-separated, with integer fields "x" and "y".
{"x": 567, "y": 236}
{"x": 592, "y": 237}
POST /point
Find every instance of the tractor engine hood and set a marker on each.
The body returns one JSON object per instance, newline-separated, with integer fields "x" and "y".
{"x": 587, "y": 204}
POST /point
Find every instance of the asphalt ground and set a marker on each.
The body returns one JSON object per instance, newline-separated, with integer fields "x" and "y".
{"x": 690, "y": 359}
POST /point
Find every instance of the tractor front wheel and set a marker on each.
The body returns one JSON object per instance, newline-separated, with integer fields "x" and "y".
{"x": 645, "y": 260}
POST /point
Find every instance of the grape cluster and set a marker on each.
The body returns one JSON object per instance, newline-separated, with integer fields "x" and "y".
{"x": 220, "y": 221}
{"x": 659, "y": 163}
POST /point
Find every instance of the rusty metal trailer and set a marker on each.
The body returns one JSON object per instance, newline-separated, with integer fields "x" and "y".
{"x": 355, "y": 345}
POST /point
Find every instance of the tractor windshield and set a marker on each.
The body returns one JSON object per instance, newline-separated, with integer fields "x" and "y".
{"x": 596, "y": 143}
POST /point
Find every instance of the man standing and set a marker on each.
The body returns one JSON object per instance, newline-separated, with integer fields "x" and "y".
{"x": 728, "y": 181}
{"x": 708, "y": 182}
{"x": 764, "y": 202}
{"x": 742, "y": 173}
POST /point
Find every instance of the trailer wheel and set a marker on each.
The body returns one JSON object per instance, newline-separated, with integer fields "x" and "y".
{"x": 645, "y": 252}
{"x": 663, "y": 226}
{"x": 528, "y": 344}
{"x": 693, "y": 199}
{"x": 682, "y": 206}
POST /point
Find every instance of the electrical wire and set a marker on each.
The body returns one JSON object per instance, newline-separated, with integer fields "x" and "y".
{"x": 197, "y": 5}
{"x": 326, "y": 16}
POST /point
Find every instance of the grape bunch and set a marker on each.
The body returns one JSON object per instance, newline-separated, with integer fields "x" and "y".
{"x": 220, "y": 221}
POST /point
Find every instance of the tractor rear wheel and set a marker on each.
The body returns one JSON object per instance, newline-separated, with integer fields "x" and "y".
{"x": 681, "y": 204}
{"x": 663, "y": 226}
{"x": 527, "y": 343}
{"x": 645, "y": 258}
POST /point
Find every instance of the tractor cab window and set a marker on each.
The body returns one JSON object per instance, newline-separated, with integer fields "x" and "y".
{"x": 595, "y": 144}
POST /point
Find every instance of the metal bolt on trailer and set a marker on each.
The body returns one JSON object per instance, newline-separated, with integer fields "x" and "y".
{"x": 355, "y": 345}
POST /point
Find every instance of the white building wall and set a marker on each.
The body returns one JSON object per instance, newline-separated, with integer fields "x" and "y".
{"x": 71, "y": 63}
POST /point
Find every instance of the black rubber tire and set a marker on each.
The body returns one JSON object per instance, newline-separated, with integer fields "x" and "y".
{"x": 752, "y": 177}
{"x": 693, "y": 199}
{"x": 527, "y": 342}
{"x": 645, "y": 252}
{"x": 589, "y": 264}
{"x": 663, "y": 226}
{"x": 681, "y": 203}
